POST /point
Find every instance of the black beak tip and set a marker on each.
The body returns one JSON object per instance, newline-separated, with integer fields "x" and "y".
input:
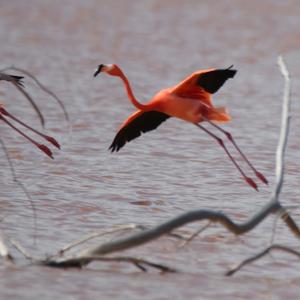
{"x": 96, "y": 73}
{"x": 98, "y": 70}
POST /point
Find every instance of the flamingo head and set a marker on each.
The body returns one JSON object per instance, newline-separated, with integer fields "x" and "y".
{"x": 113, "y": 70}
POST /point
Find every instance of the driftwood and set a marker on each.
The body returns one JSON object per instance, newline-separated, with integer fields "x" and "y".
{"x": 65, "y": 259}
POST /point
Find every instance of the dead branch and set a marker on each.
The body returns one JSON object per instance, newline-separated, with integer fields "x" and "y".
{"x": 194, "y": 235}
{"x": 262, "y": 254}
{"x": 285, "y": 127}
{"x": 97, "y": 234}
{"x": 75, "y": 263}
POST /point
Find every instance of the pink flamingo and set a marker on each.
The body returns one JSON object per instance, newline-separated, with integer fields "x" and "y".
{"x": 190, "y": 100}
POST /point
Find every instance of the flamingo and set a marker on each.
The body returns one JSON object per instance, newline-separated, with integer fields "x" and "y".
{"x": 190, "y": 100}
{"x": 4, "y": 114}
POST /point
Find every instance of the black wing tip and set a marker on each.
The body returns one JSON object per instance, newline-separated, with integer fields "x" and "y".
{"x": 114, "y": 147}
{"x": 18, "y": 80}
{"x": 231, "y": 72}
{"x": 212, "y": 81}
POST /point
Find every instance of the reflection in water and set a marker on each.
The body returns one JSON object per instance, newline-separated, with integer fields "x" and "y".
{"x": 175, "y": 169}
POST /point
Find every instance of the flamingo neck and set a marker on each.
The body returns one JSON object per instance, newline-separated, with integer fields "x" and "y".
{"x": 131, "y": 97}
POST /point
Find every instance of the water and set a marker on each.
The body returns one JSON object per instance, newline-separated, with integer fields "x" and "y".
{"x": 163, "y": 173}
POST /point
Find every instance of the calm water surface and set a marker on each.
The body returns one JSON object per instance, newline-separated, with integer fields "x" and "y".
{"x": 162, "y": 174}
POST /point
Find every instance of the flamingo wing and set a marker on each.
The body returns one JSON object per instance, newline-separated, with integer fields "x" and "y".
{"x": 138, "y": 123}
{"x": 204, "y": 82}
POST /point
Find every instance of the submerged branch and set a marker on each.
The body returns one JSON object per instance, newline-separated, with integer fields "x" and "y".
{"x": 78, "y": 263}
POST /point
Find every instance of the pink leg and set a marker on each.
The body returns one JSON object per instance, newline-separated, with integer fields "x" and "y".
{"x": 42, "y": 147}
{"x": 230, "y": 138}
{"x": 48, "y": 138}
{"x": 221, "y": 143}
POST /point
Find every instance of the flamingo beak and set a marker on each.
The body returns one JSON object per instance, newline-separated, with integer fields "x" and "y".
{"x": 98, "y": 70}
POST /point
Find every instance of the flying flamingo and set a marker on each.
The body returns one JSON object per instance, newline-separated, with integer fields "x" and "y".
{"x": 4, "y": 114}
{"x": 190, "y": 100}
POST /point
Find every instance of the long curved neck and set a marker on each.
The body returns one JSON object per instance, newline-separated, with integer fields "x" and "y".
{"x": 133, "y": 100}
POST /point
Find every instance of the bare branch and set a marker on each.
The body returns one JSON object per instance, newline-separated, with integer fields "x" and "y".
{"x": 78, "y": 262}
{"x": 260, "y": 255}
{"x": 94, "y": 235}
{"x": 285, "y": 125}
{"x": 194, "y": 235}
{"x": 148, "y": 235}
{"x": 22, "y": 250}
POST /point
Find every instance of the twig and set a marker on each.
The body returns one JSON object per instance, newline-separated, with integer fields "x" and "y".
{"x": 22, "y": 250}
{"x": 94, "y": 235}
{"x": 194, "y": 235}
{"x": 260, "y": 255}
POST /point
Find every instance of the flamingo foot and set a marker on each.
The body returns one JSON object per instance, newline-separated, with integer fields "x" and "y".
{"x": 45, "y": 149}
{"x": 52, "y": 140}
{"x": 251, "y": 183}
{"x": 261, "y": 177}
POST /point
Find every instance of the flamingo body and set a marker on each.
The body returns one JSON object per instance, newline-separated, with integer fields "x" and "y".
{"x": 190, "y": 101}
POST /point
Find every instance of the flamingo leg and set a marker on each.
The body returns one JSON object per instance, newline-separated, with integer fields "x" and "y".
{"x": 221, "y": 143}
{"x": 48, "y": 138}
{"x": 231, "y": 139}
{"x": 42, "y": 147}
